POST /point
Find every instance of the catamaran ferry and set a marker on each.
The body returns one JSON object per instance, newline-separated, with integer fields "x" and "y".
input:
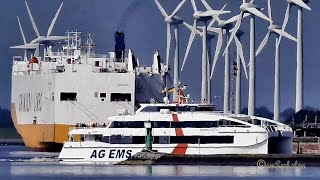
{"x": 178, "y": 129}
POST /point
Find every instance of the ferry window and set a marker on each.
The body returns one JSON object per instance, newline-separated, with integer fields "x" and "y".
{"x": 121, "y": 97}
{"x": 138, "y": 140}
{"x": 127, "y": 124}
{"x": 232, "y": 123}
{"x": 222, "y": 122}
{"x": 103, "y": 95}
{"x": 194, "y": 124}
{"x": 64, "y": 96}
{"x": 106, "y": 139}
{"x": 202, "y": 139}
{"x": 118, "y": 139}
{"x": 257, "y": 122}
{"x": 161, "y": 124}
{"x": 98, "y": 138}
{"x": 150, "y": 109}
{"x": 204, "y": 108}
{"x": 164, "y": 140}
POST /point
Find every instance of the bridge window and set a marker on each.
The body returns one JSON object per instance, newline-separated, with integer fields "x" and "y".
{"x": 68, "y": 96}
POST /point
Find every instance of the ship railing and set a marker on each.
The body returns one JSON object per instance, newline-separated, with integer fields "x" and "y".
{"x": 99, "y": 56}
{"x": 241, "y": 126}
{"x": 271, "y": 128}
{"x": 88, "y": 127}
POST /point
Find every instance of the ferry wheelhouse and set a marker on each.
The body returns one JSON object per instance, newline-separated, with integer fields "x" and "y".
{"x": 178, "y": 129}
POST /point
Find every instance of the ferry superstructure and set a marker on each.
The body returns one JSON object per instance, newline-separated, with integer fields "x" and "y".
{"x": 74, "y": 85}
{"x": 178, "y": 129}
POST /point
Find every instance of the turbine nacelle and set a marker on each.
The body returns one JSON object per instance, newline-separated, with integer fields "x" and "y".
{"x": 198, "y": 15}
{"x": 292, "y": 1}
{"x": 300, "y": 3}
{"x": 223, "y": 25}
{"x": 273, "y": 27}
{"x": 175, "y": 20}
{"x": 244, "y": 7}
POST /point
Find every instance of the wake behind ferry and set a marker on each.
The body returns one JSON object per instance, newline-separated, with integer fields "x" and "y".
{"x": 177, "y": 129}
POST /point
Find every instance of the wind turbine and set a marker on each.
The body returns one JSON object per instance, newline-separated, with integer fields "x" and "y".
{"x": 254, "y": 11}
{"x": 276, "y": 30}
{"x": 45, "y": 39}
{"x": 240, "y": 57}
{"x": 200, "y": 16}
{"x": 210, "y": 36}
{"x": 224, "y": 27}
{"x": 299, "y": 74}
{"x": 173, "y": 21}
{"x": 26, "y": 46}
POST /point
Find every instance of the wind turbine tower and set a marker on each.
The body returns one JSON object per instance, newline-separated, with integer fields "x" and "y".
{"x": 173, "y": 21}
{"x": 254, "y": 11}
{"x": 276, "y": 30}
{"x": 299, "y": 74}
{"x": 210, "y": 36}
{"x": 200, "y": 16}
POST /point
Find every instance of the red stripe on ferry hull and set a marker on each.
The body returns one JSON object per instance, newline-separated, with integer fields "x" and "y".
{"x": 180, "y": 148}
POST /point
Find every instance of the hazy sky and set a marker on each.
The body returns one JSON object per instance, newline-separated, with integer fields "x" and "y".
{"x": 146, "y": 32}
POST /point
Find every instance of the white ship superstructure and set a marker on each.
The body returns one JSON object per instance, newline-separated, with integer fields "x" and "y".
{"x": 76, "y": 86}
{"x": 178, "y": 129}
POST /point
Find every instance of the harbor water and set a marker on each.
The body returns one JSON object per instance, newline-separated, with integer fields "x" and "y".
{"x": 18, "y": 163}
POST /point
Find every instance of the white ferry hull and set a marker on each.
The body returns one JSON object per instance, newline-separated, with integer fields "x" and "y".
{"x": 117, "y": 153}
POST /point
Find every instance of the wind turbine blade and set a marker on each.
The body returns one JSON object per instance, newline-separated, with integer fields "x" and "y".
{"x": 54, "y": 21}
{"x": 32, "y": 20}
{"x": 194, "y": 6}
{"x": 191, "y": 28}
{"x": 301, "y": 4}
{"x": 54, "y": 38}
{"x": 236, "y": 17}
{"x": 36, "y": 40}
{"x": 212, "y": 22}
{"x": 215, "y": 30}
{"x": 235, "y": 30}
{"x": 204, "y": 2}
{"x": 168, "y": 43}
{"x": 256, "y": 12}
{"x": 285, "y": 20}
{"x": 216, "y": 18}
{"x": 217, "y": 52}
{"x": 163, "y": 12}
{"x": 214, "y": 13}
{"x": 285, "y": 34}
{"x": 177, "y": 8}
{"x": 263, "y": 43}
{"x": 192, "y": 35}
{"x": 270, "y": 12}
{"x": 21, "y": 30}
{"x": 240, "y": 53}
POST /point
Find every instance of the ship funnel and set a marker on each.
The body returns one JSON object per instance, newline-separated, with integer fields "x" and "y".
{"x": 120, "y": 46}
